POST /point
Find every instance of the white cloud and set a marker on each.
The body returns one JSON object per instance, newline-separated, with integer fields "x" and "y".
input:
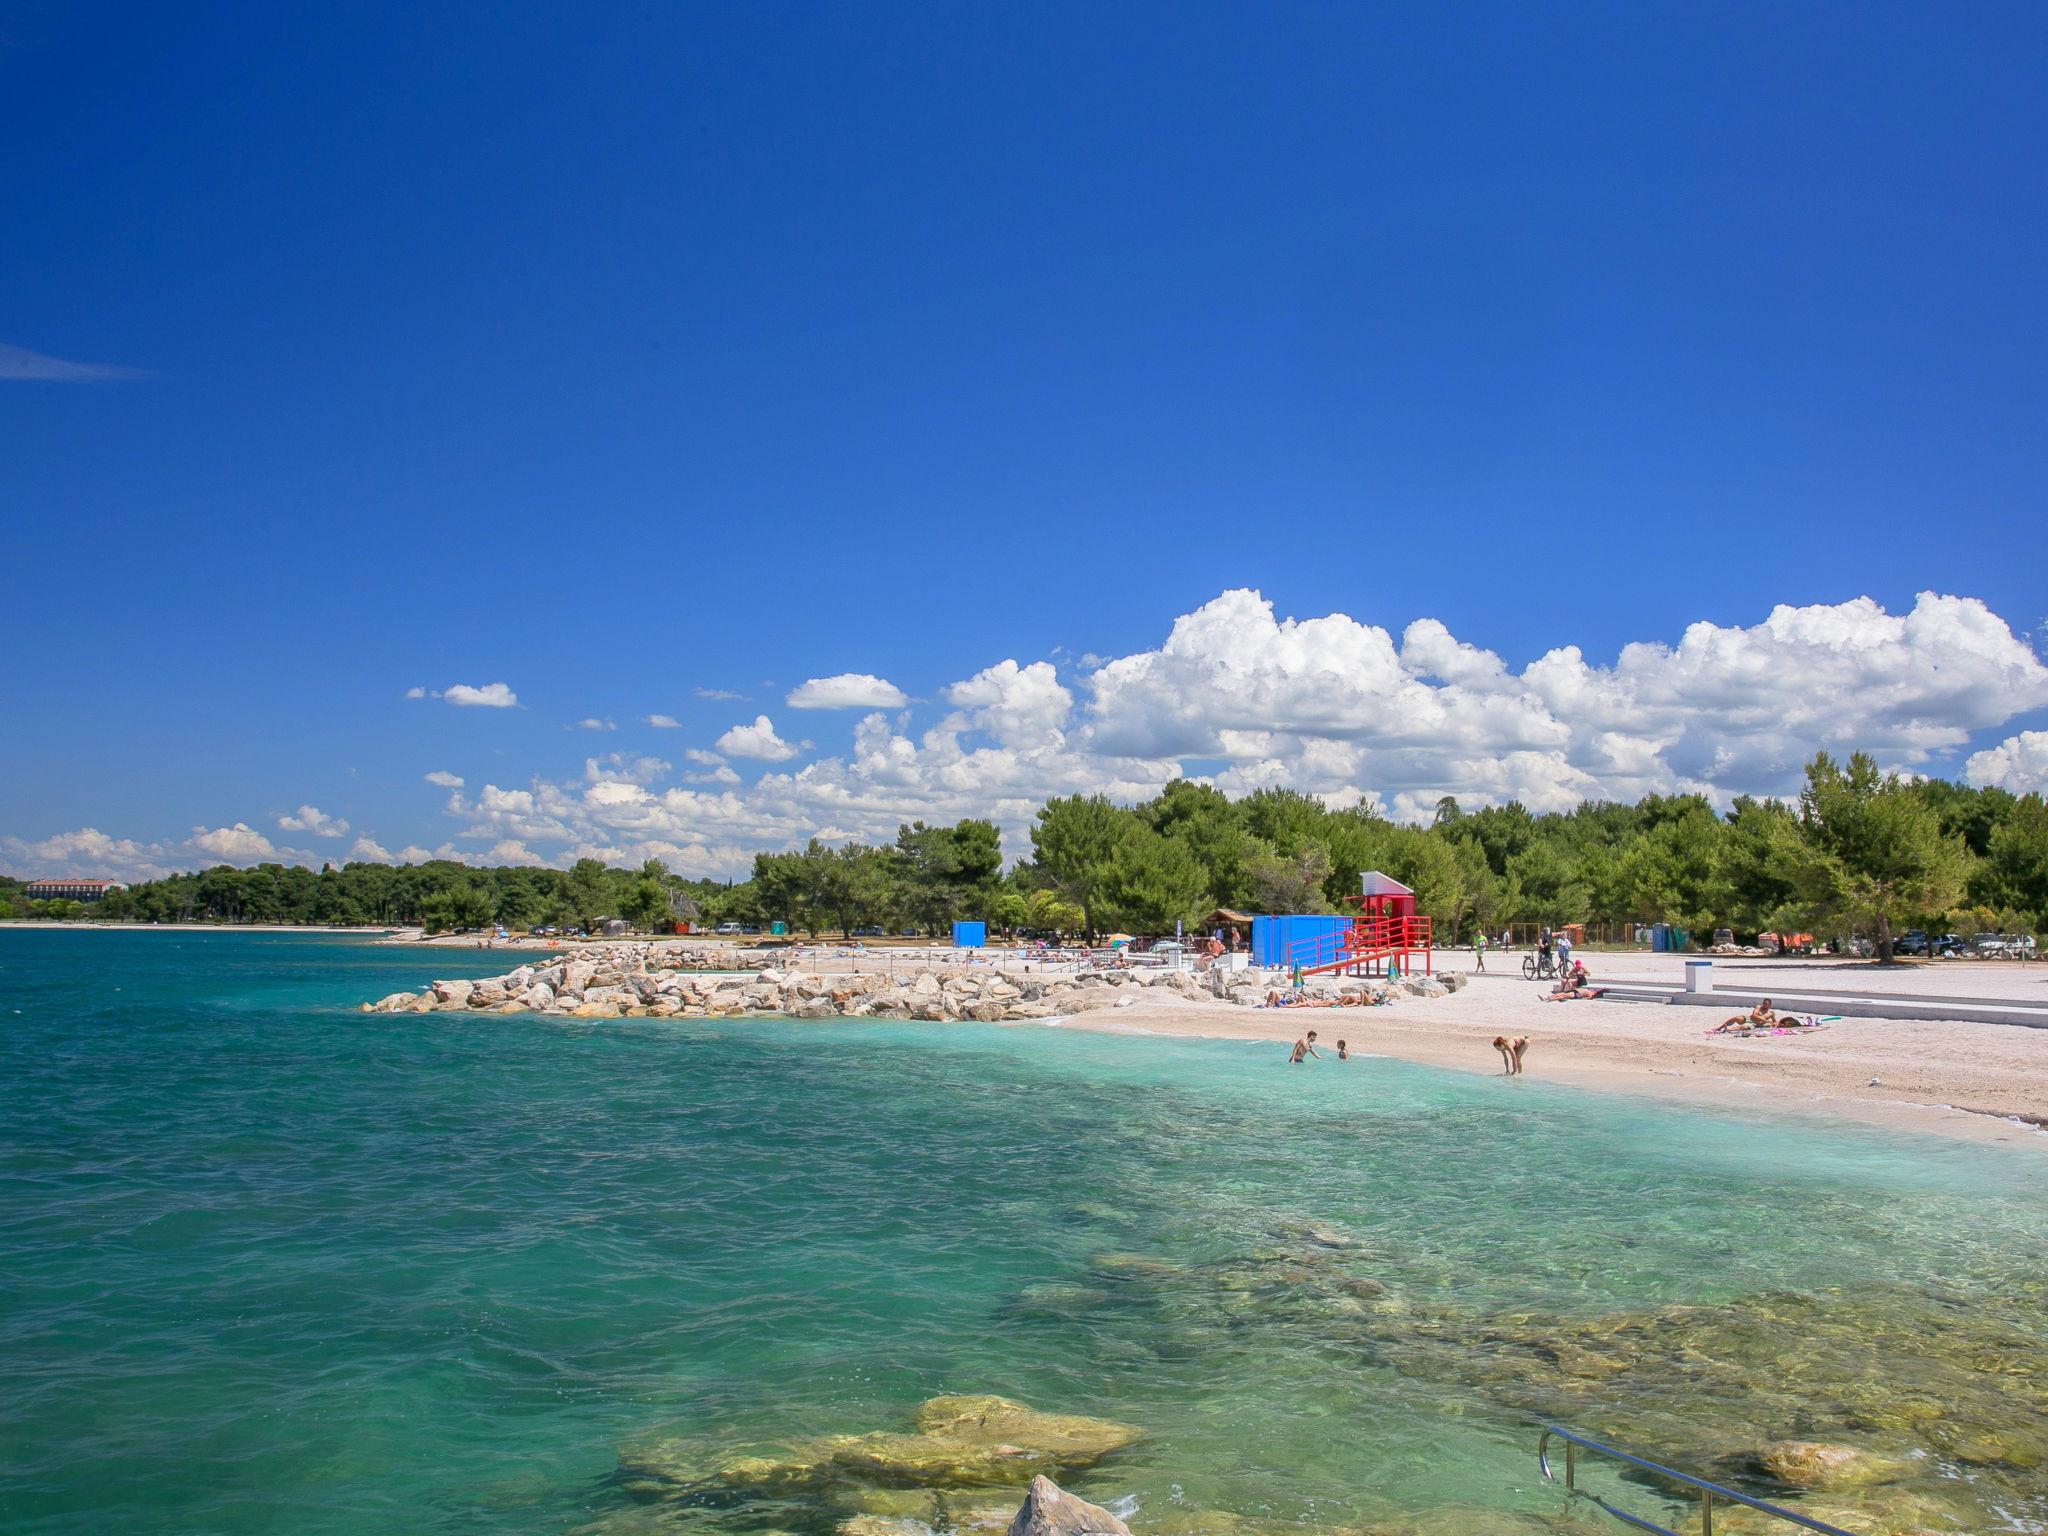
{"x": 2019, "y": 763}
{"x": 87, "y": 854}
{"x": 239, "y": 843}
{"x": 593, "y": 723}
{"x": 311, "y": 819}
{"x": 489, "y": 696}
{"x": 632, "y": 767}
{"x": 445, "y": 779}
{"x": 367, "y": 850}
{"x": 665, "y": 722}
{"x": 415, "y": 693}
{"x": 20, "y": 363}
{"x": 847, "y": 690}
{"x": 510, "y": 850}
{"x": 720, "y": 695}
{"x": 1019, "y": 706}
{"x": 1332, "y": 705}
{"x": 758, "y": 741}
{"x": 1344, "y": 709}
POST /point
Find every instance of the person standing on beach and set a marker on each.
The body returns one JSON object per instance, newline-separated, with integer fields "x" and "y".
{"x": 1511, "y": 1053}
{"x": 1304, "y": 1047}
{"x": 1479, "y": 951}
{"x": 1564, "y": 949}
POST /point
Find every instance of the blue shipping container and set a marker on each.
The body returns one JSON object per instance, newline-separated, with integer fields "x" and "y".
{"x": 1273, "y": 936}
{"x": 970, "y": 935}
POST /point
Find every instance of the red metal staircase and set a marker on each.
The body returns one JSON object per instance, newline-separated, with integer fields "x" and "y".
{"x": 1372, "y": 945}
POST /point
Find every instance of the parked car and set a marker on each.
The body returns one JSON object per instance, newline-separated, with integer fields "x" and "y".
{"x": 1991, "y": 945}
{"x": 1911, "y": 942}
{"x": 727, "y": 928}
{"x": 869, "y": 933}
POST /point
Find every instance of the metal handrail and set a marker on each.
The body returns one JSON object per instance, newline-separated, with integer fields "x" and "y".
{"x": 1709, "y": 1492}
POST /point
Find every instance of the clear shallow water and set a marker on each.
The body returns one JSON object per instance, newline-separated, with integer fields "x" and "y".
{"x": 268, "y": 1264}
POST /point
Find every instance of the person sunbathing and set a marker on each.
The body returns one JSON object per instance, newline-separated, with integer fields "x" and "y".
{"x": 1573, "y": 988}
{"x": 1762, "y": 1016}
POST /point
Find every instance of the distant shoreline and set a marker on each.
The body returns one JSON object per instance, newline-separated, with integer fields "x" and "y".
{"x": 53, "y": 925}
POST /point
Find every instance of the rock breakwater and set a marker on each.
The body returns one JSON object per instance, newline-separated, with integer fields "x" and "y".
{"x": 673, "y": 981}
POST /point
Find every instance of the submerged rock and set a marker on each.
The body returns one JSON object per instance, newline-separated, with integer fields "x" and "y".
{"x": 1818, "y": 1464}
{"x": 959, "y": 1442}
{"x": 1892, "y": 1514}
{"x": 1048, "y": 1510}
{"x": 990, "y": 1420}
{"x": 1134, "y": 1266}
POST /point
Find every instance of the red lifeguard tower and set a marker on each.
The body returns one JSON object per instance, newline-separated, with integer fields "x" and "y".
{"x": 1381, "y": 940}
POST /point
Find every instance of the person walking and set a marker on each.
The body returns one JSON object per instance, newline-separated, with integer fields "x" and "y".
{"x": 1479, "y": 952}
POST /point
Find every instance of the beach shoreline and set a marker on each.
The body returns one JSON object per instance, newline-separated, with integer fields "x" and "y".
{"x": 1947, "y": 1077}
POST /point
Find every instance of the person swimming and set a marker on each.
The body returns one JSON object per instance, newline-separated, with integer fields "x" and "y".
{"x": 1304, "y": 1047}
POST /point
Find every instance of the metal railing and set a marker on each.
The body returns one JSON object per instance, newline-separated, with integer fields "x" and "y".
{"x": 1709, "y": 1492}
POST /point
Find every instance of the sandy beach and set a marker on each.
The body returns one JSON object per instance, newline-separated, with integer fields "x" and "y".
{"x": 1949, "y": 1076}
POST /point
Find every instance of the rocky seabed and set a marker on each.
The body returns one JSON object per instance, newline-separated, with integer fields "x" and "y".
{"x": 1894, "y": 1416}
{"x": 671, "y": 981}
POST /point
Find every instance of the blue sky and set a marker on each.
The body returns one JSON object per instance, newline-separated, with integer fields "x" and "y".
{"x": 629, "y": 356}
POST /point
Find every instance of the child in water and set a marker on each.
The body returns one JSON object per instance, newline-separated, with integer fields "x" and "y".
{"x": 1343, "y": 1051}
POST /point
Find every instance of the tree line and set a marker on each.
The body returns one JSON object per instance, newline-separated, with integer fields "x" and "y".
{"x": 1859, "y": 851}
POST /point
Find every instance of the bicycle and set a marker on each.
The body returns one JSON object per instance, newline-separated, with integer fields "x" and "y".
{"x": 1539, "y": 967}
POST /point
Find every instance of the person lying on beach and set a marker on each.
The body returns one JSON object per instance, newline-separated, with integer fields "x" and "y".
{"x": 1572, "y": 987}
{"x": 1511, "y": 1053}
{"x": 1304, "y": 1047}
{"x": 1762, "y": 1016}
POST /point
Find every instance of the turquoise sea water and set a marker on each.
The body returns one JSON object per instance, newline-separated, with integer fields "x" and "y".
{"x": 268, "y": 1264}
